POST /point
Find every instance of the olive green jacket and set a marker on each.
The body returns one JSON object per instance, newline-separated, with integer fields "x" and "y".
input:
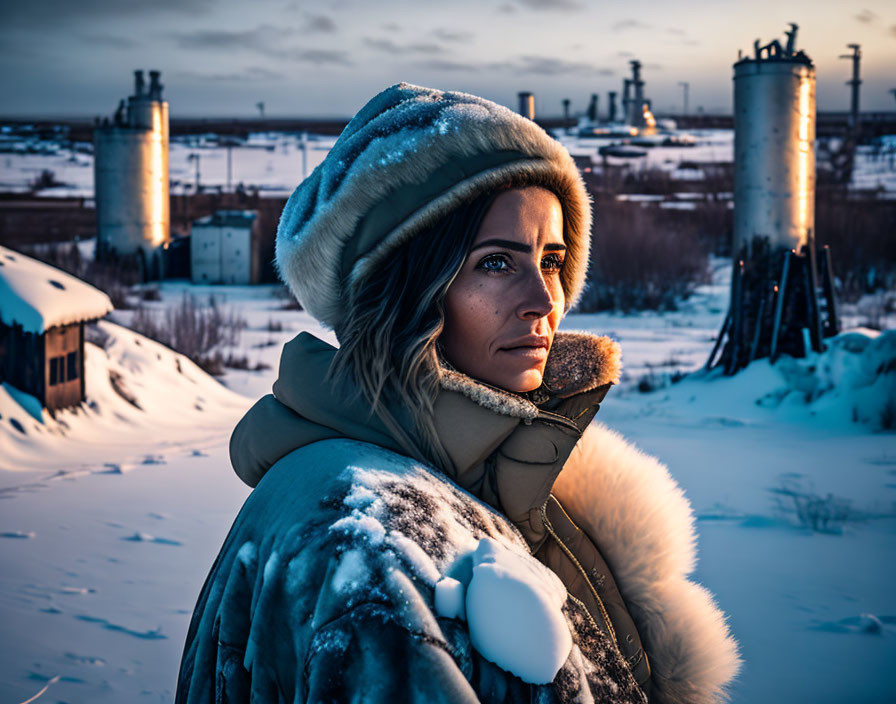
{"x": 509, "y": 450}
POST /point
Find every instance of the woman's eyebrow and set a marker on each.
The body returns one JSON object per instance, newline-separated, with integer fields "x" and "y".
{"x": 516, "y": 246}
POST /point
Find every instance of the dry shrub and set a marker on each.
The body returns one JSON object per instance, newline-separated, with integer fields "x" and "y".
{"x": 195, "y": 331}
{"x": 643, "y": 258}
{"x": 861, "y": 233}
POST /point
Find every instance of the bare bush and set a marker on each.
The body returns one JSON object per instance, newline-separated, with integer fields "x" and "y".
{"x": 642, "y": 259}
{"x": 195, "y": 331}
{"x": 819, "y": 514}
{"x": 861, "y": 233}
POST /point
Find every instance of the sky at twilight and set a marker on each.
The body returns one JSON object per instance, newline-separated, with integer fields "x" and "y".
{"x": 316, "y": 58}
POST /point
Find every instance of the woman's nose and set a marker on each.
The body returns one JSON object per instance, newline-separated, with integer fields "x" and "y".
{"x": 536, "y": 301}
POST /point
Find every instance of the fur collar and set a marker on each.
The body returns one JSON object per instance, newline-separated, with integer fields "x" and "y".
{"x": 639, "y": 518}
{"x": 578, "y": 362}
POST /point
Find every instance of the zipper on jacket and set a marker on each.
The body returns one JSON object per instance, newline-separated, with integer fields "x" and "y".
{"x": 600, "y": 603}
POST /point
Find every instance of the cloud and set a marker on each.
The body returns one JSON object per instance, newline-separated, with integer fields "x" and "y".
{"x": 113, "y": 41}
{"x": 625, "y": 55}
{"x": 261, "y": 38}
{"x": 390, "y": 47}
{"x": 630, "y": 23}
{"x": 392, "y": 27}
{"x": 675, "y": 31}
{"x": 548, "y": 5}
{"x": 548, "y": 66}
{"x": 253, "y": 73}
{"x": 320, "y": 23}
{"x": 523, "y": 65}
{"x": 53, "y": 13}
{"x": 866, "y": 17}
{"x": 320, "y": 57}
{"x": 449, "y": 66}
{"x": 452, "y": 35}
{"x": 265, "y": 39}
{"x": 507, "y": 8}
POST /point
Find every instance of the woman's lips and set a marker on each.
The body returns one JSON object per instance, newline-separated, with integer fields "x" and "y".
{"x": 536, "y": 352}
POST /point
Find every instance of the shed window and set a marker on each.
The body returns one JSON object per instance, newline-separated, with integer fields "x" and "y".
{"x": 57, "y": 370}
{"x": 71, "y": 371}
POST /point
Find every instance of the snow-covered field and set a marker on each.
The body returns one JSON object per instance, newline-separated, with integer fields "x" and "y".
{"x": 111, "y": 516}
{"x": 270, "y": 162}
{"x": 275, "y": 162}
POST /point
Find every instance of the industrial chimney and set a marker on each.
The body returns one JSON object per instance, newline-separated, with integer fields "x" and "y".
{"x": 131, "y": 177}
{"x": 527, "y": 104}
{"x": 775, "y": 306}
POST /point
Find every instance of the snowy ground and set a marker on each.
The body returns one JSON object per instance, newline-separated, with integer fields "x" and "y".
{"x": 107, "y": 532}
{"x": 275, "y": 162}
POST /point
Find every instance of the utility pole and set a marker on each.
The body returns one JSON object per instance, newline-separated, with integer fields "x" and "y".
{"x": 854, "y": 84}
{"x": 685, "y": 86}
{"x": 194, "y": 157}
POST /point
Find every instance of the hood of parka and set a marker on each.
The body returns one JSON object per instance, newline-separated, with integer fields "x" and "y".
{"x": 407, "y": 159}
{"x": 506, "y": 449}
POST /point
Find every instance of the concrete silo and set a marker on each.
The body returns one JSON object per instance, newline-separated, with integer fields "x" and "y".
{"x": 774, "y": 146}
{"x": 782, "y": 298}
{"x": 131, "y": 176}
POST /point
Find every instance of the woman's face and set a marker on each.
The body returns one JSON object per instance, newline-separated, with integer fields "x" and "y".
{"x": 502, "y": 309}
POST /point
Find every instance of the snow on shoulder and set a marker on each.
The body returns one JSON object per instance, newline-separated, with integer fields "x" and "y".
{"x": 38, "y": 296}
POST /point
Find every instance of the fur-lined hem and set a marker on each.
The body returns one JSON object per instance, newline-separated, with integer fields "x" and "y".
{"x": 639, "y": 518}
{"x": 578, "y": 362}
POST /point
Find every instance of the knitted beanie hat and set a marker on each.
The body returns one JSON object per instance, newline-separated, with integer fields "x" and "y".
{"x": 406, "y": 160}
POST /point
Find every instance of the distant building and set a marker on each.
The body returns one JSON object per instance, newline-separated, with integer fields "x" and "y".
{"x": 42, "y": 316}
{"x": 131, "y": 182}
{"x": 225, "y": 248}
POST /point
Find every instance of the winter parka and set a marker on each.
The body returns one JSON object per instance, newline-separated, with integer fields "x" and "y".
{"x": 324, "y": 588}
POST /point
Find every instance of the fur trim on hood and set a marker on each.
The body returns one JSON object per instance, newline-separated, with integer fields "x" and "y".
{"x": 578, "y": 362}
{"x": 406, "y": 160}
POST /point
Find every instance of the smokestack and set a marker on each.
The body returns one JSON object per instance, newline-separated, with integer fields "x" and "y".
{"x": 592, "y": 108}
{"x": 138, "y": 84}
{"x": 527, "y": 104}
{"x": 854, "y": 83}
{"x": 636, "y": 102}
{"x": 155, "y": 88}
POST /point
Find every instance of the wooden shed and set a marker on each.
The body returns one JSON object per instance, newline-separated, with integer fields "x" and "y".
{"x": 42, "y": 315}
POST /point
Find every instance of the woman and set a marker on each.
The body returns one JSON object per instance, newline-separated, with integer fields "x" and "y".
{"x": 446, "y": 447}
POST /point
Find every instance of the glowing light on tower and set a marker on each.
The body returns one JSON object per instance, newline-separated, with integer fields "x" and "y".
{"x": 158, "y": 194}
{"x": 804, "y": 153}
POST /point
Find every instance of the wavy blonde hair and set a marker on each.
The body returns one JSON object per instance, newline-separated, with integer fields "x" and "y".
{"x": 388, "y": 342}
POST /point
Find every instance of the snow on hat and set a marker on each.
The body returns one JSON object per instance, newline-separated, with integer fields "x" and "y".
{"x": 406, "y": 160}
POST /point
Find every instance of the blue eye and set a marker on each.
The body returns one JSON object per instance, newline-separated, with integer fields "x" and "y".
{"x": 495, "y": 262}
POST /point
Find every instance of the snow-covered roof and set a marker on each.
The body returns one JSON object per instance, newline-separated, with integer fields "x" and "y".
{"x": 38, "y": 296}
